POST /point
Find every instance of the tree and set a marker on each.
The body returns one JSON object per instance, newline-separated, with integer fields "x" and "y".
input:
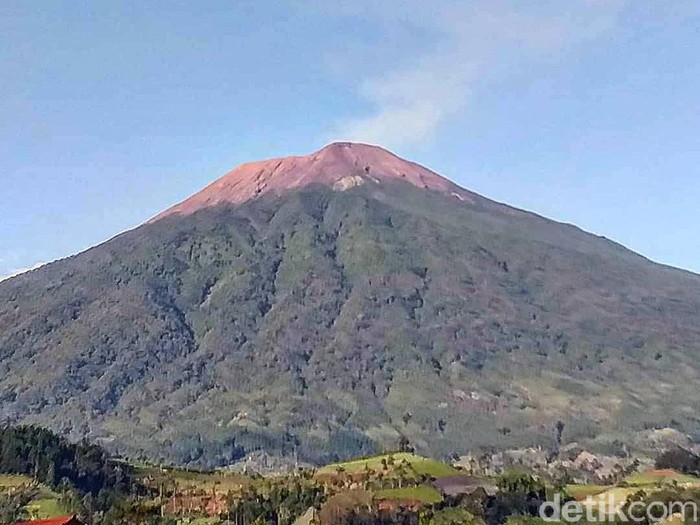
{"x": 405, "y": 444}
{"x": 681, "y": 459}
{"x": 560, "y": 430}
{"x": 13, "y": 505}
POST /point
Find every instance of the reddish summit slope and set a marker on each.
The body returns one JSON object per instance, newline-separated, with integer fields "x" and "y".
{"x": 340, "y": 165}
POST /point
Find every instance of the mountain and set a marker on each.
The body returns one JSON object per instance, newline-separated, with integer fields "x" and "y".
{"x": 335, "y": 304}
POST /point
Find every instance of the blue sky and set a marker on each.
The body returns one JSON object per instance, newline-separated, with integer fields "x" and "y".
{"x": 586, "y": 111}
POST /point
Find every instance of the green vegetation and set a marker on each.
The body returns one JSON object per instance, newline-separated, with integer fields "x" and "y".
{"x": 53, "y": 461}
{"x": 24, "y": 498}
{"x": 454, "y": 517}
{"x": 185, "y": 479}
{"x": 411, "y": 463}
{"x": 14, "y": 481}
{"x": 42, "y": 475}
{"x": 281, "y": 504}
{"x": 21, "y": 498}
{"x": 423, "y": 494}
{"x": 680, "y": 459}
{"x": 580, "y": 492}
{"x": 13, "y": 505}
{"x": 389, "y": 489}
{"x": 46, "y": 507}
{"x": 661, "y": 477}
{"x": 610, "y": 499}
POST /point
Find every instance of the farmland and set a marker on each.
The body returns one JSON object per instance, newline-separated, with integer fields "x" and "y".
{"x": 412, "y": 463}
{"x": 661, "y": 477}
{"x": 396, "y": 486}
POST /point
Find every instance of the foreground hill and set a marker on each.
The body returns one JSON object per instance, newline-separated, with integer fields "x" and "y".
{"x": 367, "y": 300}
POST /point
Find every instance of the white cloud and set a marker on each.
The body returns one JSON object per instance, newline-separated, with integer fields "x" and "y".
{"x": 20, "y": 271}
{"x": 472, "y": 43}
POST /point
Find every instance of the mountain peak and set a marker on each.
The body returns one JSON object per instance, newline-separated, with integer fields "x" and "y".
{"x": 339, "y": 165}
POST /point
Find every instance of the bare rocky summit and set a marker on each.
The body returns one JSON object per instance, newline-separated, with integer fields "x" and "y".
{"x": 340, "y": 165}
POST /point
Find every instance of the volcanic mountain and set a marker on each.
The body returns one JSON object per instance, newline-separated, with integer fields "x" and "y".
{"x": 339, "y": 303}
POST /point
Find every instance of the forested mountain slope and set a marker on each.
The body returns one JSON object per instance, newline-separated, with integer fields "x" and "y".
{"x": 331, "y": 319}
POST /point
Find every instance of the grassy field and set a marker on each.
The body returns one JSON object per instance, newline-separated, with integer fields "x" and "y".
{"x": 417, "y": 464}
{"x": 11, "y": 481}
{"x": 660, "y": 477}
{"x": 46, "y": 507}
{"x": 426, "y": 495}
{"x": 46, "y": 502}
{"x": 609, "y": 500}
{"x": 581, "y": 492}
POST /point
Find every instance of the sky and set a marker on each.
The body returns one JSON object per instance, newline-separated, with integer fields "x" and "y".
{"x": 584, "y": 111}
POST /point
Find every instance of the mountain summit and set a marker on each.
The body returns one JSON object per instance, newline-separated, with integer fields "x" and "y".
{"x": 340, "y": 165}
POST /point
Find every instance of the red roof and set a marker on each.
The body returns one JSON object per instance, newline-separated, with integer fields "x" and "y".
{"x": 61, "y": 520}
